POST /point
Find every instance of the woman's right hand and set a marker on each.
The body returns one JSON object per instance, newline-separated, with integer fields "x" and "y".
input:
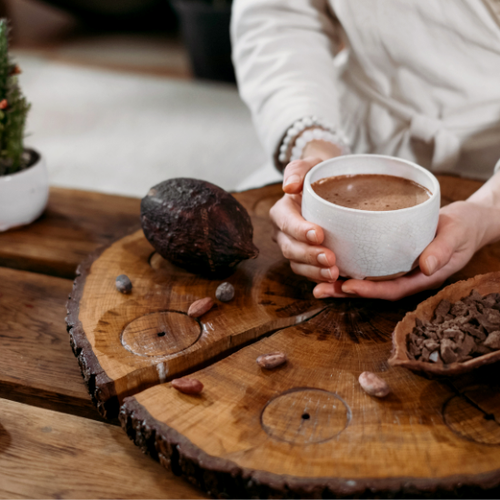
{"x": 299, "y": 240}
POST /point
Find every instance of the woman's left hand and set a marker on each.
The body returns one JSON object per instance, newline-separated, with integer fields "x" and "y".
{"x": 463, "y": 229}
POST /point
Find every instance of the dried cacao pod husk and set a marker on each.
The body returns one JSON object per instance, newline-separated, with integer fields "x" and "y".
{"x": 198, "y": 226}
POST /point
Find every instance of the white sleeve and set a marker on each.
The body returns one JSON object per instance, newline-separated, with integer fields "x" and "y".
{"x": 497, "y": 167}
{"x": 283, "y": 52}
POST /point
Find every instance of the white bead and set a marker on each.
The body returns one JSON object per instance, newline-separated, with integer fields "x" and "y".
{"x": 300, "y": 142}
{"x": 297, "y": 134}
{"x": 307, "y": 135}
{"x": 317, "y": 133}
{"x": 308, "y": 122}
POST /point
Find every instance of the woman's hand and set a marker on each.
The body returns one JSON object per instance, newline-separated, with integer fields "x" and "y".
{"x": 463, "y": 228}
{"x": 299, "y": 240}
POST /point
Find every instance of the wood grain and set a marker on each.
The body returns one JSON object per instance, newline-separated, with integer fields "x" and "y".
{"x": 305, "y": 429}
{"x": 308, "y": 429}
{"x": 126, "y": 343}
{"x": 74, "y": 224}
{"x": 46, "y": 454}
{"x": 36, "y": 363}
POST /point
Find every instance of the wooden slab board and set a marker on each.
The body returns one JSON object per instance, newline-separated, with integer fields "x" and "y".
{"x": 48, "y": 454}
{"x": 308, "y": 429}
{"x": 126, "y": 343}
{"x": 305, "y": 429}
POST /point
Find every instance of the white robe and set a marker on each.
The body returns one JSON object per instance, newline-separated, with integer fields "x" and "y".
{"x": 420, "y": 79}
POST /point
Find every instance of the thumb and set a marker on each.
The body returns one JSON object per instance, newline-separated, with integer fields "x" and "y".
{"x": 293, "y": 176}
{"x": 439, "y": 252}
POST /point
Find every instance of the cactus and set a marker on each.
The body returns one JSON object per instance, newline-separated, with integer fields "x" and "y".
{"x": 13, "y": 110}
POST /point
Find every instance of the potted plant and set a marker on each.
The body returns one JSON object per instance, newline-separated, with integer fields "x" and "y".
{"x": 205, "y": 29}
{"x": 24, "y": 185}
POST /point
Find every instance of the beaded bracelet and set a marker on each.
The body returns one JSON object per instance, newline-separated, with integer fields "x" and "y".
{"x": 304, "y": 131}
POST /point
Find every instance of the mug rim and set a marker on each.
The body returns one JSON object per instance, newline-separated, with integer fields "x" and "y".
{"x": 310, "y": 190}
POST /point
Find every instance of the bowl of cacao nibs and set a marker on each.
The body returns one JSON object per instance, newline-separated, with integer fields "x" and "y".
{"x": 455, "y": 331}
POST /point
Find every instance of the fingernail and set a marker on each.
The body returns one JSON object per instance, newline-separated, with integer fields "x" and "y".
{"x": 292, "y": 180}
{"x": 312, "y": 236}
{"x": 322, "y": 260}
{"x": 326, "y": 273}
{"x": 348, "y": 289}
{"x": 431, "y": 264}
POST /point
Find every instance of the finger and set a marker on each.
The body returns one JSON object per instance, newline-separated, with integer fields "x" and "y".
{"x": 439, "y": 252}
{"x": 315, "y": 273}
{"x": 286, "y": 215}
{"x": 412, "y": 283}
{"x": 303, "y": 253}
{"x": 295, "y": 171}
{"x": 326, "y": 290}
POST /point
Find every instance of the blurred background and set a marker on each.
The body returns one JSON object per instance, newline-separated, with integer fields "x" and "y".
{"x": 127, "y": 93}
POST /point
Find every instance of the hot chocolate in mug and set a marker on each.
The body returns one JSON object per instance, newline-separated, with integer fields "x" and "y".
{"x": 379, "y": 243}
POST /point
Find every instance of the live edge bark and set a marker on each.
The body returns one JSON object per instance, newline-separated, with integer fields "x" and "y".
{"x": 99, "y": 385}
{"x": 221, "y": 478}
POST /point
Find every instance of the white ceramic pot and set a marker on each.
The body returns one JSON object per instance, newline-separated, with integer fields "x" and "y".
{"x": 371, "y": 244}
{"x": 23, "y": 195}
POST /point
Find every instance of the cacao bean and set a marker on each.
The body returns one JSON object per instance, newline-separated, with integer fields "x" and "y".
{"x": 123, "y": 283}
{"x": 187, "y": 385}
{"x": 373, "y": 385}
{"x": 271, "y": 360}
{"x": 200, "y": 307}
{"x": 225, "y": 292}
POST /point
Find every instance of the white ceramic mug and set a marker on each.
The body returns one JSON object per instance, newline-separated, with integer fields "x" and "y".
{"x": 371, "y": 244}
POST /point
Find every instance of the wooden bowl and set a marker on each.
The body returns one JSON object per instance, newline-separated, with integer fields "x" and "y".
{"x": 484, "y": 284}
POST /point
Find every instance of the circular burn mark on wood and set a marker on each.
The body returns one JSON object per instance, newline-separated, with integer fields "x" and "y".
{"x": 160, "y": 333}
{"x": 475, "y": 415}
{"x": 305, "y": 416}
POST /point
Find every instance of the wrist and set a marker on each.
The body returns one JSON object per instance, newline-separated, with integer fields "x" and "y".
{"x": 484, "y": 222}
{"x": 486, "y": 202}
{"x": 491, "y": 232}
{"x": 307, "y": 130}
{"x": 321, "y": 149}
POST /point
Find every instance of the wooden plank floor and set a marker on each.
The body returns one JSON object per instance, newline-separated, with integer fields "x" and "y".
{"x": 74, "y": 224}
{"x": 37, "y": 365}
{"x": 53, "y": 443}
{"x": 47, "y": 454}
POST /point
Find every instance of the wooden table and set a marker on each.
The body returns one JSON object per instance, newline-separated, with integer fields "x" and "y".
{"x": 53, "y": 442}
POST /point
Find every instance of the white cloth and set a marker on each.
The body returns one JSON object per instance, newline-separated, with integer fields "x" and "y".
{"x": 421, "y": 79}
